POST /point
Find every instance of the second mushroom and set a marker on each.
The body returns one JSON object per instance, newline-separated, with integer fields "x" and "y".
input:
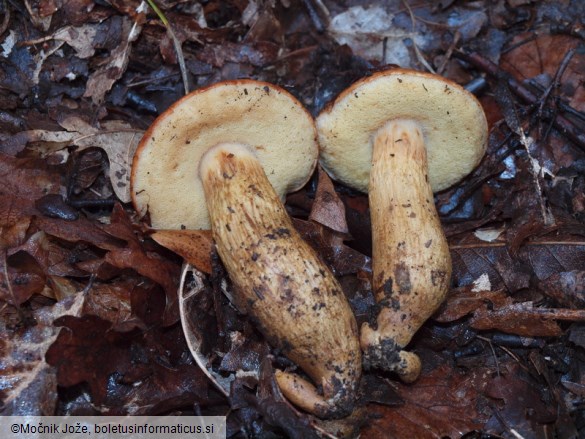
{"x": 224, "y": 157}
{"x": 400, "y": 135}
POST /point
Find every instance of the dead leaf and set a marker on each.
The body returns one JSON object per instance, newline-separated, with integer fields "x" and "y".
{"x": 117, "y": 139}
{"x": 81, "y": 230}
{"x": 80, "y": 38}
{"x": 522, "y": 404}
{"x": 495, "y": 310}
{"x": 429, "y": 409}
{"x": 329, "y": 244}
{"x": 328, "y": 209}
{"x": 519, "y": 318}
{"x": 567, "y": 288}
{"x": 28, "y": 384}
{"x": 195, "y": 246}
{"x": 79, "y": 351}
{"x": 526, "y": 61}
{"x": 139, "y": 365}
{"x": 23, "y": 182}
{"x": 19, "y": 279}
{"x": 538, "y": 258}
{"x": 14, "y": 234}
{"x": 120, "y": 147}
{"x": 463, "y": 301}
{"x": 158, "y": 270}
{"x": 101, "y": 81}
{"x": 111, "y": 301}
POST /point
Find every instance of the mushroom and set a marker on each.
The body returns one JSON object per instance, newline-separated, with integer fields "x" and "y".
{"x": 224, "y": 157}
{"x": 399, "y": 135}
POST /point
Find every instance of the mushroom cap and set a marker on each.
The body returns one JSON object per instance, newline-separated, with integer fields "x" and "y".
{"x": 268, "y": 120}
{"x": 452, "y": 121}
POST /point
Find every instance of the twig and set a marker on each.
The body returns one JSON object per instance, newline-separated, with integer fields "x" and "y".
{"x": 318, "y": 13}
{"x": 6, "y": 276}
{"x": 562, "y": 105}
{"x": 562, "y": 124}
{"x": 505, "y": 424}
{"x": 504, "y": 98}
{"x": 79, "y": 204}
{"x": 418, "y": 53}
{"x": 554, "y": 84}
{"x": 571, "y": 315}
{"x": 449, "y": 52}
{"x": 488, "y": 341}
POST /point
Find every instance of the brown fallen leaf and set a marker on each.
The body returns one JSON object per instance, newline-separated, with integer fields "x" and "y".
{"x": 567, "y": 288}
{"x": 139, "y": 366}
{"x": 116, "y": 138}
{"x": 162, "y": 272}
{"x": 120, "y": 146}
{"x": 101, "y": 81}
{"x": 79, "y": 351}
{"x": 81, "y": 230}
{"x": 444, "y": 402}
{"x": 136, "y": 256}
{"x": 20, "y": 279}
{"x": 495, "y": 310}
{"x": 463, "y": 301}
{"x": 14, "y": 234}
{"x": 520, "y": 319}
{"x": 23, "y": 182}
{"x": 330, "y": 245}
{"x": 80, "y": 38}
{"x": 525, "y": 60}
{"x": 523, "y": 402}
{"x": 328, "y": 209}
{"x": 195, "y": 246}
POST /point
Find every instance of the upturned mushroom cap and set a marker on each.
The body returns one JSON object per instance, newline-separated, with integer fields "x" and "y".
{"x": 453, "y": 123}
{"x": 261, "y": 116}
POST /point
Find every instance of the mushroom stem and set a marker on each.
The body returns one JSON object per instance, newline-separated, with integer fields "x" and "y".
{"x": 280, "y": 281}
{"x": 411, "y": 260}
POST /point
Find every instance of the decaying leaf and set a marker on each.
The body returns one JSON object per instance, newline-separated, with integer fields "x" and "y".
{"x": 429, "y": 409}
{"x": 23, "y": 182}
{"x": 101, "y": 81}
{"x": 567, "y": 288}
{"x": 328, "y": 209}
{"x": 539, "y": 258}
{"x": 120, "y": 146}
{"x": 496, "y": 310}
{"x": 28, "y": 386}
{"x": 117, "y": 139}
{"x": 81, "y": 38}
{"x": 195, "y": 246}
{"x": 503, "y": 357}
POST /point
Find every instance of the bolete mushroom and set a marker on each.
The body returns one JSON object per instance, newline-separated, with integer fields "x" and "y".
{"x": 399, "y": 135}
{"x": 224, "y": 157}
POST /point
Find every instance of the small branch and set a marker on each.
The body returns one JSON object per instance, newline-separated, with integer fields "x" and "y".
{"x": 418, "y": 53}
{"x": 563, "y": 125}
{"x": 555, "y": 83}
{"x": 571, "y": 315}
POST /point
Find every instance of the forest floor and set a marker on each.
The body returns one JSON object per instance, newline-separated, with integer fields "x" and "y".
{"x": 82, "y": 280}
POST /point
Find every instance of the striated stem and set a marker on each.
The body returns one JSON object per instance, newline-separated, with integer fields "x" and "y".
{"x": 411, "y": 260}
{"x": 280, "y": 281}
